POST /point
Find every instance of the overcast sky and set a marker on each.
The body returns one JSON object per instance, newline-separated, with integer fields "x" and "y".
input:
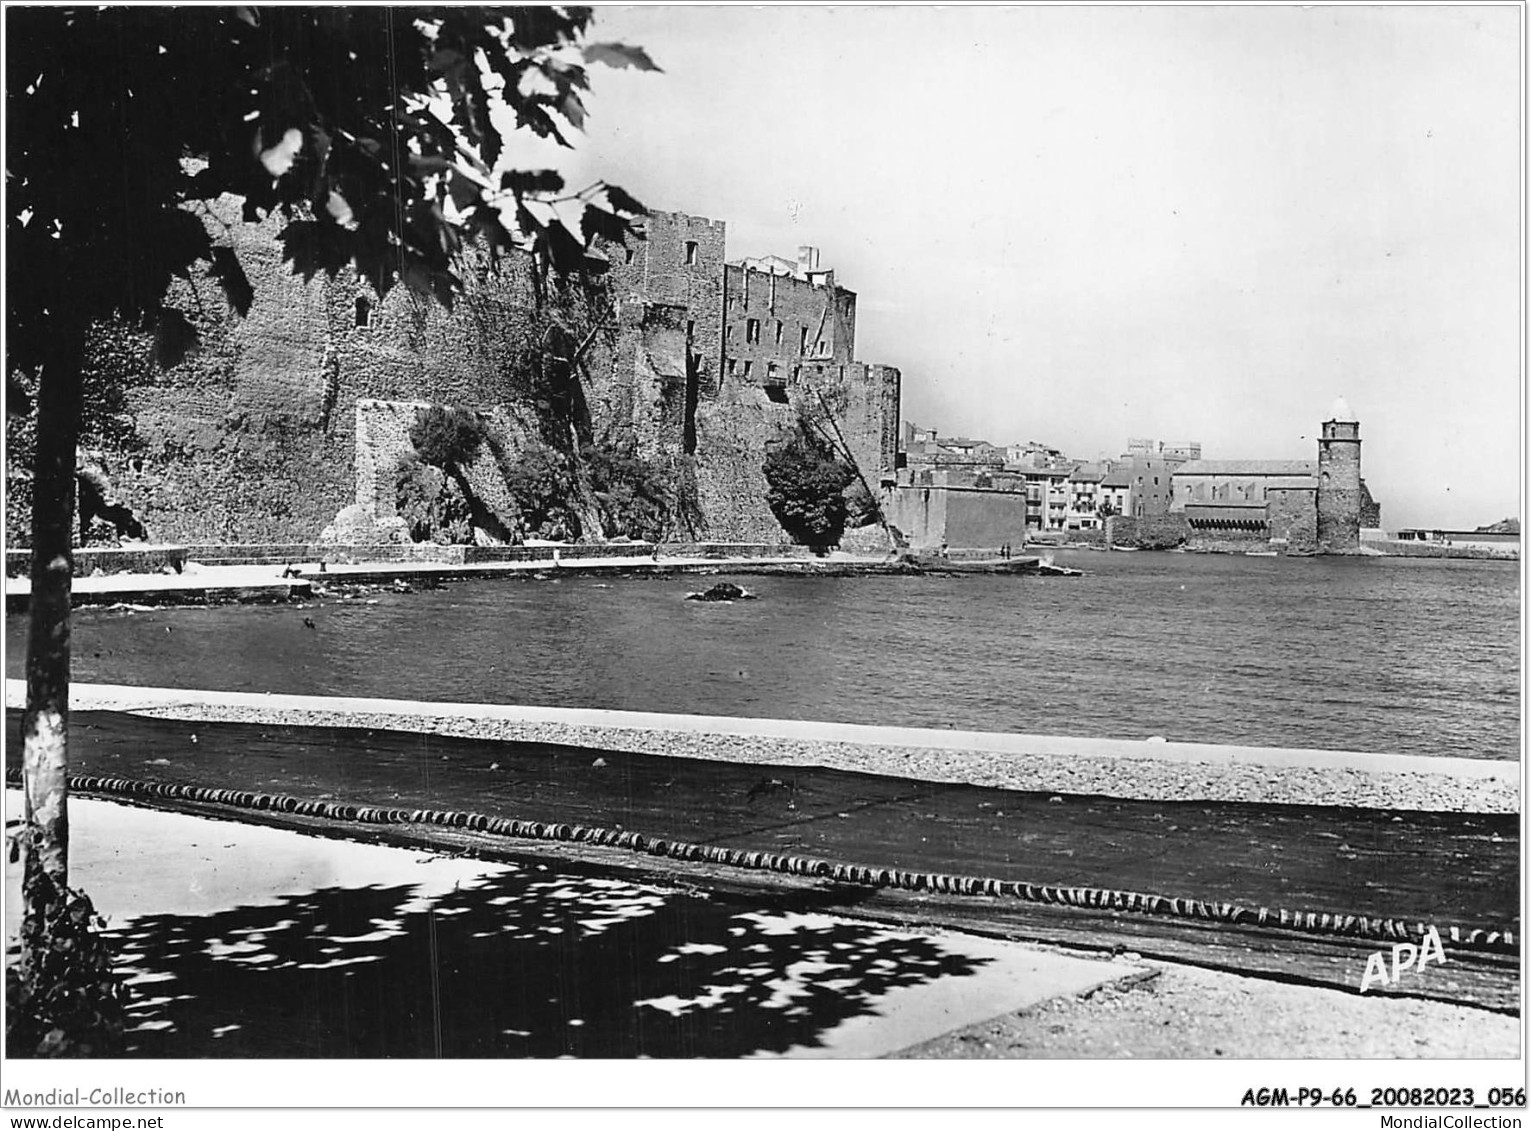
{"x": 1080, "y": 225}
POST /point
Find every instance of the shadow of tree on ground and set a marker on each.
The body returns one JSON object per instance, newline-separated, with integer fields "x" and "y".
{"x": 527, "y": 963}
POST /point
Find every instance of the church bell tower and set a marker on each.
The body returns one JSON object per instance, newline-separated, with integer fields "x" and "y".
{"x": 1339, "y": 482}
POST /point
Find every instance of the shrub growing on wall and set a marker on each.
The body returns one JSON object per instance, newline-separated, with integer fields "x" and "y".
{"x": 636, "y": 496}
{"x": 444, "y": 437}
{"x": 430, "y": 502}
{"x": 806, "y": 486}
{"x": 541, "y": 481}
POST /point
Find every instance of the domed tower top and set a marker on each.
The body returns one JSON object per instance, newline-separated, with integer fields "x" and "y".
{"x": 1341, "y": 411}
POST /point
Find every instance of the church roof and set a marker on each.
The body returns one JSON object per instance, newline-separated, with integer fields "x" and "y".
{"x": 1248, "y": 467}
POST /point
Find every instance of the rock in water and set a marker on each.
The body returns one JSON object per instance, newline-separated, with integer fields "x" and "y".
{"x": 723, "y": 591}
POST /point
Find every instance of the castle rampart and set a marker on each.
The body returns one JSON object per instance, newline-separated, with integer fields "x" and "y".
{"x": 301, "y": 408}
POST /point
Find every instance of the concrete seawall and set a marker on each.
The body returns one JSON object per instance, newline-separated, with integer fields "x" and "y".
{"x": 1177, "y": 771}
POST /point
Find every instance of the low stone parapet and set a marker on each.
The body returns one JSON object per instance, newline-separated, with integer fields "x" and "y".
{"x": 89, "y": 560}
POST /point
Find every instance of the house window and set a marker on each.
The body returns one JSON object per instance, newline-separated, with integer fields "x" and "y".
{"x": 733, "y": 364}
{"x": 752, "y": 331}
{"x": 797, "y": 371}
{"x": 778, "y": 330}
{"x": 802, "y": 346}
{"x": 363, "y": 311}
{"x": 728, "y": 335}
{"x": 690, "y": 252}
{"x": 748, "y": 365}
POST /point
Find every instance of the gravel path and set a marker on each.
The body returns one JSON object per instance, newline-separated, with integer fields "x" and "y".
{"x": 1143, "y": 779}
{"x": 1187, "y": 1012}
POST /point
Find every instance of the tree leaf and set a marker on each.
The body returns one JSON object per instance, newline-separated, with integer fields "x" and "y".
{"x": 597, "y": 222}
{"x": 311, "y": 247}
{"x": 565, "y": 253}
{"x": 525, "y": 181}
{"x": 463, "y": 191}
{"x": 620, "y": 55}
{"x": 622, "y": 202}
{"x": 573, "y": 109}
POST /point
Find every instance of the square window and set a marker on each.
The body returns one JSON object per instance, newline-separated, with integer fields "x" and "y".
{"x": 748, "y": 365}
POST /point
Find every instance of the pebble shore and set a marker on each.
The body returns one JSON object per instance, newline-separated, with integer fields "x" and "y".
{"x": 1141, "y": 779}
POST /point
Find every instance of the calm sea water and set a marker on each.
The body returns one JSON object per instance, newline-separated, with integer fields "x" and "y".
{"x": 1389, "y": 655}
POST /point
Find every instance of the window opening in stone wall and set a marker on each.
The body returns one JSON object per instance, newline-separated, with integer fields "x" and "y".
{"x": 690, "y": 252}
{"x": 748, "y": 365}
{"x": 690, "y": 329}
{"x": 802, "y": 346}
{"x": 728, "y": 335}
{"x": 778, "y": 335}
{"x": 752, "y": 331}
{"x": 363, "y": 312}
{"x": 733, "y": 365}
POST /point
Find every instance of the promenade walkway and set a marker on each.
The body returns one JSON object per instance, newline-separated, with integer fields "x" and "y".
{"x": 1422, "y": 865}
{"x": 204, "y": 584}
{"x": 197, "y": 909}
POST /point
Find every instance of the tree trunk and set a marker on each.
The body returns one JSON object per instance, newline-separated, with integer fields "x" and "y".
{"x": 45, "y": 723}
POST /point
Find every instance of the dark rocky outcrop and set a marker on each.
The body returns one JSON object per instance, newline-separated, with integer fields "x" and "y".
{"x": 723, "y": 591}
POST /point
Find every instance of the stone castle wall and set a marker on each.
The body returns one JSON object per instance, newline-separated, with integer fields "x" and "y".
{"x": 1147, "y": 532}
{"x": 1292, "y": 518}
{"x": 299, "y": 409}
{"x": 782, "y": 322}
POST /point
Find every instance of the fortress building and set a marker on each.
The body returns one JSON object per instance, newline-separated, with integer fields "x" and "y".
{"x": 295, "y": 417}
